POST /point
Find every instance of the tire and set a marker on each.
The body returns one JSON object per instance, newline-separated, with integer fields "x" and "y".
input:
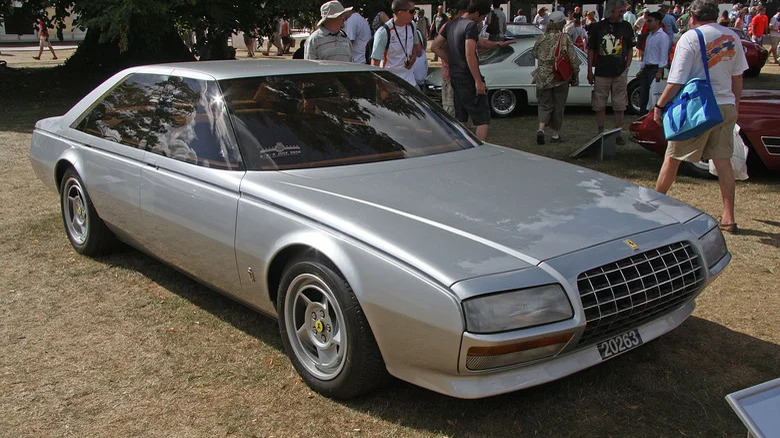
{"x": 503, "y": 102}
{"x": 632, "y": 91}
{"x": 325, "y": 333}
{"x": 753, "y": 72}
{"x": 86, "y": 231}
{"x": 699, "y": 170}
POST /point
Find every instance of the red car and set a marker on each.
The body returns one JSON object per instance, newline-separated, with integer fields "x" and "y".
{"x": 759, "y": 120}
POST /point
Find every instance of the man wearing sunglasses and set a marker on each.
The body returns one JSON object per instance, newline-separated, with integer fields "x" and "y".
{"x": 396, "y": 44}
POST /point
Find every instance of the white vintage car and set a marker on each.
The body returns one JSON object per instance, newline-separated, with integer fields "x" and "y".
{"x": 507, "y": 74}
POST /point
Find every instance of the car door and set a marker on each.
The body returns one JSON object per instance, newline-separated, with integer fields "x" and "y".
{"x": 190, "y": 183}
{"x": 114, "y": 129}
{"x": 581, "y": 94}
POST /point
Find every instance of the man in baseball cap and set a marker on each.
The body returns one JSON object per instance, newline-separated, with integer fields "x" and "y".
{"x": 329, "y": 41}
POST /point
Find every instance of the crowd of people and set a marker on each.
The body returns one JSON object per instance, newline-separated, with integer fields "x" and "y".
{"x": 398, "y": 43}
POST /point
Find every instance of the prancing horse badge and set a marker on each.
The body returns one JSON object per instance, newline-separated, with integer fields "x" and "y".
{"x": 631, "y": 244}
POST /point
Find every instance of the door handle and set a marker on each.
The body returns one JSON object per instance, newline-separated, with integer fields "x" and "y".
{"x": 152, "y": 165}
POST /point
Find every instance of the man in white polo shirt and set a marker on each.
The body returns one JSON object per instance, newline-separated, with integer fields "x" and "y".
{"x": 359, "y": 33}
{"x": 654, "y": 60}
{"x": 396, "y": 44}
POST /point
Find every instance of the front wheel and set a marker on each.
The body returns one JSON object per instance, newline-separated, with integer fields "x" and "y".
{"x": 503, "y": 102}
{"x": 325, "y": 332}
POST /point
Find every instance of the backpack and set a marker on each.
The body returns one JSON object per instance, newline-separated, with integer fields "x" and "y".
{"x": 370, "y": 45}
{"x": 492, "y": 27}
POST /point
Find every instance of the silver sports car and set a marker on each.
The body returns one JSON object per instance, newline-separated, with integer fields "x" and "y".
{"x": 383, "y": 236}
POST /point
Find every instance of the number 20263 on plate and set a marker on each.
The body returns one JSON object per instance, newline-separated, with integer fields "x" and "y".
{"x": 619, "y": 344}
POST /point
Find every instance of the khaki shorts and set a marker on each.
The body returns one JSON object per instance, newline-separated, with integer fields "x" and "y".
{"x": 606, "y": 85}
{"x": 717, "y": 142}
{"x": 774, "y": 41}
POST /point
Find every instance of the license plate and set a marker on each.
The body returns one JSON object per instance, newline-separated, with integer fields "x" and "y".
{"x": 619, "y": 344}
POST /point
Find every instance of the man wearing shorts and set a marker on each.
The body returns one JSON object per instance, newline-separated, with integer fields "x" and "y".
{"x": 774, "y": 35}
{"x": 43, "y": 39}
{"x": 726, "y": 63}
{"x": 462, "y": 40}
{"x": 610, "y": 49}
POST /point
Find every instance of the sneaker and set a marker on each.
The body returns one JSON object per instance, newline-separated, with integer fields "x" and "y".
{"x": 540, "y": 137}
{"x": 620, "y": 141}
{"x": 557, "y": 139}
{"x": 55, "y": 57}
{"x": 37, "y": 57}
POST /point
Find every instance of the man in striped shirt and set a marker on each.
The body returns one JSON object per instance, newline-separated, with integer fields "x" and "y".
{"x": 329, "y": 41}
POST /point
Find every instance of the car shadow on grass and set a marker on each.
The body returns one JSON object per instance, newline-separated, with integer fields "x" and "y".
{"x": 672, "y": 386}
{"x": 240, "y": 316}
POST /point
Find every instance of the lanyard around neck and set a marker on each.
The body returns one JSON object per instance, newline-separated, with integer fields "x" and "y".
{"x": 406, "y": 35}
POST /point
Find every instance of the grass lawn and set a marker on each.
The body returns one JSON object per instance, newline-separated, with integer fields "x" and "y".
{"x": 125, "y": 346}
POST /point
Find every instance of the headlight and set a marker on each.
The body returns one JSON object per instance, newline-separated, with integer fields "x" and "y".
{"x": 713, "y": 246}
{"x": 517, "y": 309}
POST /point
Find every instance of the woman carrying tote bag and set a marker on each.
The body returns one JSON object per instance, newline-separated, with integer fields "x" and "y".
{"x": 558, "y": 67}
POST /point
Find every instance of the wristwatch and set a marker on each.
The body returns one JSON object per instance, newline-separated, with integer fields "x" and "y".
{"x": 659, "y": 107}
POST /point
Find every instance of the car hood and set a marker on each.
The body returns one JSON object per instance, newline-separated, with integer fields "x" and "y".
{"x": 471, "y": 213}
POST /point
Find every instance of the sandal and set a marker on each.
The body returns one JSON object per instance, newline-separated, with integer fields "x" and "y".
{"x": 729, "y": 228}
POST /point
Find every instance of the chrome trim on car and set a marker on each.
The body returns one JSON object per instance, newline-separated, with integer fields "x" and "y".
{"x": 772, "y": 144}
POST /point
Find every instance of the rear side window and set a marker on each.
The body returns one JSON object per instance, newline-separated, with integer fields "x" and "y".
{"x": 526, "y": 59}
{"x": 126, "y": 113}
{"x": 191, "y": 125}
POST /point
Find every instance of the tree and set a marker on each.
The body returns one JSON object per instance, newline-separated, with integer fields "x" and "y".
{"x": 123, "y": 33}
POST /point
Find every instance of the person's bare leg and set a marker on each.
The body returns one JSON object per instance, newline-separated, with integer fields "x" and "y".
{"x": 601, "y": 117}
{"x": 727, "y": 188}
{"x": 618, "y": 119}
{"x": 667, "y": 174}
{"x": 40, "y": 52}
{"x": 52, "y": 51}
{"x": 482, "y": 131}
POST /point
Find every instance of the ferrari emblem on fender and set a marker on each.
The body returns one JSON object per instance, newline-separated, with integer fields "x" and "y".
{"x": 631, "y": 244}
{"x": 318, "y": 326}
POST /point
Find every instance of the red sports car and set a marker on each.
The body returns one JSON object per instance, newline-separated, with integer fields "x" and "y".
{"x": 755, "y": 53}
{"x": 759, "y": 120}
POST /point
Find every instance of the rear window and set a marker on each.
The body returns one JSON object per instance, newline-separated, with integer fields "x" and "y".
{"x": 493, "y": 56}
{"x": 316, "y": 120}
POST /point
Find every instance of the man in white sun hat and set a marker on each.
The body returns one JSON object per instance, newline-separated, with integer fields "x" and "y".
{"x": 329, "y": 41}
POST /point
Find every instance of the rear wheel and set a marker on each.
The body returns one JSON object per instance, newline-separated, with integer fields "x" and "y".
{"x": 325, "y": 333}
{"x": 503, "y": 102}
{"x": 86, "y": 231}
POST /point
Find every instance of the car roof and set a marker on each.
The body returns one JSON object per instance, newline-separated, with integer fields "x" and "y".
{"x": 240, "y": 69}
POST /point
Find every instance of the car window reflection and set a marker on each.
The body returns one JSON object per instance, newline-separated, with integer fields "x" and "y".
{"x": 315, "y": 120}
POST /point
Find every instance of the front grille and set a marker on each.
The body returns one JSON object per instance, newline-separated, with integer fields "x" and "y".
{"x": 625, "y": 294}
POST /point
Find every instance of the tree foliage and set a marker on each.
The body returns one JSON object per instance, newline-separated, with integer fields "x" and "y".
{"x": 134, "y": 29}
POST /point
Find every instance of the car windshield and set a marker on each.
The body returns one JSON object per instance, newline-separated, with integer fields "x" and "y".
{"x": 492, "y": 56}
{"x": 514, "y": 29}
{"x": 328, "y": 119}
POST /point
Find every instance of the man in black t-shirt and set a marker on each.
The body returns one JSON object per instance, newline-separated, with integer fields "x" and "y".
{"x": 460, "y": 51}
{"x": 610, "y": 48}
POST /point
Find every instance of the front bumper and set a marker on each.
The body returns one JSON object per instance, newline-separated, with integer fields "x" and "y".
{"x": 490, "y": 384}
{"x": 570, "y": 357}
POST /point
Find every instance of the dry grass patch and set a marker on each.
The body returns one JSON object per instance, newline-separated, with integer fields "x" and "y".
{"x": 124, "y": 346}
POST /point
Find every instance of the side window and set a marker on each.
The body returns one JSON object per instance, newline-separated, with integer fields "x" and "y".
{"x": 126, "y": 113}
{"x": 191, "y": 125}
{"x": 526, "y": 59}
